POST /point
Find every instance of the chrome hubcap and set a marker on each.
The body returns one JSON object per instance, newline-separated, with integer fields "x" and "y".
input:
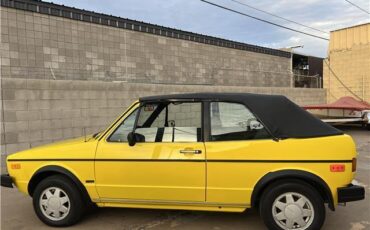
{"x": 54, "y": 203}
{"x": 293, "y": 211}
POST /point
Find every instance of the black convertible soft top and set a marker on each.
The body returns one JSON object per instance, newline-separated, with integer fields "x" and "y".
{"x": 282, "y": 117}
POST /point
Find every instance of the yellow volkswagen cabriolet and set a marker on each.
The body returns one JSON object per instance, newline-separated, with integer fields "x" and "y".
{"x": 209, "y": 151}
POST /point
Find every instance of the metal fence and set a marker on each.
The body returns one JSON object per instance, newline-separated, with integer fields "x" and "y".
{"x": 305, "y": 81}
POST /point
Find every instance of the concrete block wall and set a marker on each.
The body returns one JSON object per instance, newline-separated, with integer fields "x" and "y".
{"x": 42, "y": 111}
{"x": 41, "y": 46}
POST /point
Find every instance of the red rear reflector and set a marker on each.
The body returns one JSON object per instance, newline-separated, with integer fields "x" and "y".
{"x": 354, "y": 164}
{"x": 337, "y": 168}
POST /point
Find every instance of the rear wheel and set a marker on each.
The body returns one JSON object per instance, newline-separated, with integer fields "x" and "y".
{"x": 57, "y": 201}
{"x": 292, "y": 205}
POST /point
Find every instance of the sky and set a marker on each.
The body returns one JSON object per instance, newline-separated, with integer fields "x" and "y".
{"x": 199, "y": 17}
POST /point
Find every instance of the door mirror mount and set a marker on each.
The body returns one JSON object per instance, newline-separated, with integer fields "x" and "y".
{"x": 131, "y": 138}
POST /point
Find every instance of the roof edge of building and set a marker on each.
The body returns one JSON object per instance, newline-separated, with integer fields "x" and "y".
{"x": 72, "y": 13}
{"x": 349, "y": 27}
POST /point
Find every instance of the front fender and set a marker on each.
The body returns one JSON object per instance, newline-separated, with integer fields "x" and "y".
{"x": 49, "y": 170}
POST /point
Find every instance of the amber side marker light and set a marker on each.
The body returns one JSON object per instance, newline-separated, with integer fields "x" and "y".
{"x": 354, "y": 164}
{"x": 15, "y": 166}
{"x": 337, "y": 168}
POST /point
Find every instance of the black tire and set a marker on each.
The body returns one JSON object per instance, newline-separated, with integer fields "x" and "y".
{"x": 276, "y": 190}
{"x": 77, "y": 206}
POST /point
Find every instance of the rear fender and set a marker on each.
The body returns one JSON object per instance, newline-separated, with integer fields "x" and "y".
{"x": 307, "y": 177}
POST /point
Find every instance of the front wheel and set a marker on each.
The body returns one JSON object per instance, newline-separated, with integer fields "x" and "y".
{"x": 57, "y": 201}
{"x": 292, "y": 205}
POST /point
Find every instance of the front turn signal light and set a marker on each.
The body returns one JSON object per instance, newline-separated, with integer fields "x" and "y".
{"x": 354, "y": 164}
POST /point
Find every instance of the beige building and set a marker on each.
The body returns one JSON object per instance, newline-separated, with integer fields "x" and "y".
{"x": 347, "y": 68}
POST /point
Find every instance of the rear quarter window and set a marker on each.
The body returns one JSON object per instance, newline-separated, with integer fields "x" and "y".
{"x": 233, "y": 121}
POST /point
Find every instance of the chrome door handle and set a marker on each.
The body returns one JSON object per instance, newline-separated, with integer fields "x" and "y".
{"x": 197, "y": 151}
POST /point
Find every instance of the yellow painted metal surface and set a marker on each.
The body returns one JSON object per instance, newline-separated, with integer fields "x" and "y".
{"x": 159, "y": 171}
{"x": 71, "y": 149}
{"x": 233, "y": 182}
{"x": 157, "y": 175}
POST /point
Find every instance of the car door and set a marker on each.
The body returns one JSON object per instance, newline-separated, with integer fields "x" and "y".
{"x": 235, "y": 143}
{"x": 167, "y": 163}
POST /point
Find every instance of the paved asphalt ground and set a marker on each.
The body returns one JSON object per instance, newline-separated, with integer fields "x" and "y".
{"x": 17, "y": 212}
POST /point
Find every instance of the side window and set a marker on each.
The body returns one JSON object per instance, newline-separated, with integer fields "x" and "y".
{"x": 170, "y": 122}
{"x": 232, "y": 121}
{"x": 152, "y": 115}
{"x": 120, "y": 134}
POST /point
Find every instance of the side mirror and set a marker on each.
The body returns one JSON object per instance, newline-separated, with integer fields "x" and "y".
{"x": 255, "y": 125}
{"x": 171, "y": 123}
{"x": 131, "y": 138}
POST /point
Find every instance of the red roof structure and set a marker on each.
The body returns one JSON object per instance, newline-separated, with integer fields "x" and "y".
{"x": 342, "y": 103}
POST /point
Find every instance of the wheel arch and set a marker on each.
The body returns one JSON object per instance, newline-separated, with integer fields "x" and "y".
{"x": 304, "y": 176}
{"x": 50, "y": 170}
